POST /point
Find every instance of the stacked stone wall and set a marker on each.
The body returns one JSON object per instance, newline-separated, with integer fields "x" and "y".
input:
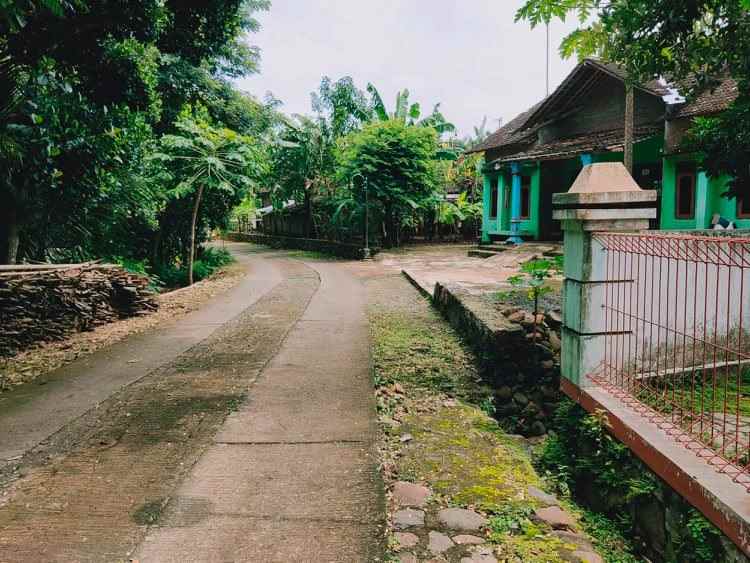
{"x": 519, "y": 356}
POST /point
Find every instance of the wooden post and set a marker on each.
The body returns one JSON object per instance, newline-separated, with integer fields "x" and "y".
{"x": 628, "y": 144}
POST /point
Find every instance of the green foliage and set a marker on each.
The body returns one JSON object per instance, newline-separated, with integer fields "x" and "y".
{"x": 511, "y": 518}
{"x": 86, "y": 92}
{"x": 533, "y": 277}
{"x": 209, "y": 261}
{"x": 609, "y": 539}
{"x": 695, "y": 44}
{"x": 583, "y": 451}
{"x": 700, "y": 540}
{"x": 582, "y": 456}
{"x": 396, "y": 159}
{"x": 201, "y": 159}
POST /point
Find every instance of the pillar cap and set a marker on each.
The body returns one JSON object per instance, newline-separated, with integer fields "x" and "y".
{"x": 604, "y": 185}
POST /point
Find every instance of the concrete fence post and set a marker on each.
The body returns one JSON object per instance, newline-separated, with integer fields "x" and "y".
{"x": 604, "y": 198}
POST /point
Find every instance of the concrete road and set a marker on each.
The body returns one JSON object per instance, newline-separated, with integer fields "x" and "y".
{"x": 31, "y": 413}
{"x": 155, "y": 470}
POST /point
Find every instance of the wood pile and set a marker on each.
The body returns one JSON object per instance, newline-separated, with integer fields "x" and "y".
{"x": 46, "y": 302}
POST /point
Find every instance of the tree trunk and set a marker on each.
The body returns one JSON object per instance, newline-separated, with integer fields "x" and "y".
{"x": 9, "y": 234}
{"x": 156, "y": 247}
{"x": 628, "y": 142}
{"x": 191, "y": 258}
{"x": 308, "y": 212}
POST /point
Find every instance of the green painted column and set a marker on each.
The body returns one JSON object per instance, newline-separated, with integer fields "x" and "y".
{"x": 502, "y": 214}
{"x": 515, "y": 205}
{"x": 486, "y": 203}
{"x": 534, "y": 201}
{"x": 703, "y": 209}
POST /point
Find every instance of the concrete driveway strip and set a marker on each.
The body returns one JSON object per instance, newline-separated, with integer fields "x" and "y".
{"x": 292, "y": 476}
{"x": 32, "y": 413}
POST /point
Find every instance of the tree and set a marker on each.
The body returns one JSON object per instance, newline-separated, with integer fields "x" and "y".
{"x": 202, "y": 158}
{"x": 86, "y": 88}
{"x": 398, "y": 161}
{"x": 302, "y": 163}
{"x": 410, "y": 113}
{"x": 692, "y": 43}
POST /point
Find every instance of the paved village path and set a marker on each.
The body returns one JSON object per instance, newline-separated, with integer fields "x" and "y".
{"x": 32, "y": 413}
{"x": 291, "y": 476}
{"x": 253, "y": 442}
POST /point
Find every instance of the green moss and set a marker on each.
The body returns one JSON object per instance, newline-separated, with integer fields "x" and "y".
{"x": 149, "y": 513}
{"x": 472, "y": 466}
{"x": 423, "y": 352}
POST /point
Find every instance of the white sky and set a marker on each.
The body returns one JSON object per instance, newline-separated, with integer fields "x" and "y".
{"x": 466, "y": 54}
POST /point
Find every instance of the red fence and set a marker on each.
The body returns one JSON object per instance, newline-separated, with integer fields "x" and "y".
{"x": 677, "y": 346}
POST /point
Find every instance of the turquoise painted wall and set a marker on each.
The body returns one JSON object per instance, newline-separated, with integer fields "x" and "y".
{"x": 530, "y": 226}
{"x": 708, "y": 199}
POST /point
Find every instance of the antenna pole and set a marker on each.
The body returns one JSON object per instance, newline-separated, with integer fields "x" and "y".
{"x": 547, "y": 62}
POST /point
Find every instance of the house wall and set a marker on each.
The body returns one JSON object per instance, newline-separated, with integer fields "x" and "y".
{"x": 708, "y": 199}
{"x": 604, "y": 110}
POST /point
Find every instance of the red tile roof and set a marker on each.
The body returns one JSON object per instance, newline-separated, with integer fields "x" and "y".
{"x": 612, "y": 140}
{"x": 710, "y": 101}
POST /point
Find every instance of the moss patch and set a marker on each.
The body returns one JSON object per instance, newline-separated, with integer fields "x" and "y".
{"x": 422, "y": 351}
{"x": 466, "y": 458}
{"x": 149, "y": 513}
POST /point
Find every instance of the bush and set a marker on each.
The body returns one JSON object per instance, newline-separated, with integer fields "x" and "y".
{"x": 209, "y": 260}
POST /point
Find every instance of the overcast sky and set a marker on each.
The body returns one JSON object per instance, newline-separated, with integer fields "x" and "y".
{"x": 466, "y": 54}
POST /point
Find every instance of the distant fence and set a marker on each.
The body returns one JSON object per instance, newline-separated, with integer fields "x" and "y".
{"x": 677, "y": 347}
{"x": 340, "y": 249}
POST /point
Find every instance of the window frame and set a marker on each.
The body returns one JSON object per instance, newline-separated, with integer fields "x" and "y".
{"x": 686, "y": 172}
{"x": 743, "y": 214}
{"x": 494, "y": 197}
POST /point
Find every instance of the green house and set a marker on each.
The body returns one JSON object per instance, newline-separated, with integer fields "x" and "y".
{"x": 689, "y": 198}
{"x": 540, "y": 153}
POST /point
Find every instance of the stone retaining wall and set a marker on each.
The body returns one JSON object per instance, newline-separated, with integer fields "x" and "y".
{"x": 340, "y": 249}
{"x": 519, "y": 357}
{"x": 525, "y": 374}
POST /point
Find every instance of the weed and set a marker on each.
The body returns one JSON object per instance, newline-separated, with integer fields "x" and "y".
{"x": 149, "y": 513}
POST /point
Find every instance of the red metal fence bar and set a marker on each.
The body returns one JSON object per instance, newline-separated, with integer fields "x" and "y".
{"x": 676, "y": 312}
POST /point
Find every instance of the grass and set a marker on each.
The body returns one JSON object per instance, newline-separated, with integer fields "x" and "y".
{"x": 424, "y": 353}
{"x": 428, "y": 388}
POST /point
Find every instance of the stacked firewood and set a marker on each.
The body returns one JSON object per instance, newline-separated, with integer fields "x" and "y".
{"x": 46, "y": 302}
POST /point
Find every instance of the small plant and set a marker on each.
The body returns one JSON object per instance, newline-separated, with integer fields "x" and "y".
{"x": 701, "y": 537}
{"x": 510, "y": 519}
{"x": 533, "y": 276}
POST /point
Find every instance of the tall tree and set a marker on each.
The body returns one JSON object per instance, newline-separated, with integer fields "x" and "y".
{"x": 409, "y": 112}
{"x": 84, "y": 86}
{"x": 398, "y": 161}
{"x": 200, "y": 158}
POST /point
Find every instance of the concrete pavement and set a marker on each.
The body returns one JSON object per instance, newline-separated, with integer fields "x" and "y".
{"x": 33, "y": 412}
{"x": 291, "y": 476}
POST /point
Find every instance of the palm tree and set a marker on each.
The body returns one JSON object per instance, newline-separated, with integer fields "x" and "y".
{"x": 200, "y": 158}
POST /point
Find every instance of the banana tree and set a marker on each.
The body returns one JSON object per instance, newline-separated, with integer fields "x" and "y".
{"x": 409, "y": 113}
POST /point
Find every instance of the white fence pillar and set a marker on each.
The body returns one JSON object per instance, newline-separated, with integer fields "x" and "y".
{"x": 603, "y": 198}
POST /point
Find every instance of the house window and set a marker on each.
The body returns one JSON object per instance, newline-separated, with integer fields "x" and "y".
{"x": 525, "y": 197}
{"x": 685, "y": 193}
{"x": 494, "y": 186}
{"x": 743, "y": 207}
